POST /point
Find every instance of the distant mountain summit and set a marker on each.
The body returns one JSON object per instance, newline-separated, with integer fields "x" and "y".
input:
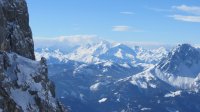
{"x": 120, "y": 53}
{"x": 183, "y": 60}
{"x": 89, "y": 53}
{"x": 103, "y": 51}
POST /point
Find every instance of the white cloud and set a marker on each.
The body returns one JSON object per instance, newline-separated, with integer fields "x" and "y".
{"x": 194, "y": 12}
{"x": 186, "y": 18}
{"x": 127, "y": 13}
{"x": 121, "y": 28}
{"x": 64, "y": 41}
{"x": 67, "y": 43}
{"x": 76, "y": 38}
{"x": 188, "y": 9}
{"x": 70, "y": 38}
{"x": 125, "y": 29}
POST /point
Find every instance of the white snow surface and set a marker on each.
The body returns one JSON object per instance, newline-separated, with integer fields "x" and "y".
{"x": 144, "y": 79}
{"x": 176, "y": 81}
{"x": 95, "y": 86}
{"x": 173, "y": 94}
{"x": 23, "y": 99}
{"x": 102, "y": 100}
{"x": 119, "y": 54}
{"x": 25, "y": 69}
{"x": 145, "y": 109}
{"x": 151, "y": 56}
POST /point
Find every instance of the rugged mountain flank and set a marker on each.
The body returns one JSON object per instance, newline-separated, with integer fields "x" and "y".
{"x": 24, "y": 83}
{"x": 183, "y": 60}
{"x": 15, "y": 33}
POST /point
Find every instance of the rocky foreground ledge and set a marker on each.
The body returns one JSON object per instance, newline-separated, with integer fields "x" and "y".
{"x": 15, "y": 33}
{"x": 25, "y": 87}
{"x": 24, "y": 83}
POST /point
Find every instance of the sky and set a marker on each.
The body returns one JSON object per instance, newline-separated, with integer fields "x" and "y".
{"x": 147, "y": 21}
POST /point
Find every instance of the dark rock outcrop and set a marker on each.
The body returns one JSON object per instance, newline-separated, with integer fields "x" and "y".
{"x": 24, "y": 83}
{"x": 25, "y": 87}
{"x": 15, "y": 33}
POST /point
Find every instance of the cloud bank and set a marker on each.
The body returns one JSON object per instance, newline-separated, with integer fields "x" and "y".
{"x": 194, "y": 12}
{"x": 186, "y": 18}
{"x": 188, "y": 9}
{"x": 64, "y": 42}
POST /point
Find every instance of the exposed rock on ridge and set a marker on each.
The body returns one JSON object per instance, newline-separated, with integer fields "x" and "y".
{"x": 24, "y": 83}
{"x": 15, "y": 33}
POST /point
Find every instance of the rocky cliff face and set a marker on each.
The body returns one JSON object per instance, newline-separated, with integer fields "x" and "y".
{"x": 24, "y": 84}
{"x": 15, "y": 33}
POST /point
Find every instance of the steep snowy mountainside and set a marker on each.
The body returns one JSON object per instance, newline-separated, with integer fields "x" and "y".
{"x": 184, "y": 60}
{"x": 23, "y": 78}
{"x": 180, "y": 68}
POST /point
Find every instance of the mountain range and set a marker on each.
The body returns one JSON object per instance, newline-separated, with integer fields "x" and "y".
{"x": 110, "y": 77}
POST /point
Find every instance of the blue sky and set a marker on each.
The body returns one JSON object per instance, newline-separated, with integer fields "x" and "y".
{"x": 161, "y": 21}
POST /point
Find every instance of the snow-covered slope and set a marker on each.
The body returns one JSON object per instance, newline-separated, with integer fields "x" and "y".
{"x": 180, "y": 69}
{"x": 89, "y": 53}
{"x": 183, "y": 60}
{"x": 120, "y": 54}
{"x": 152, "y": 56}
{"x": 77, "y": 83}
{"x": 25, "y": 85}
{"x": 55, "y": 56}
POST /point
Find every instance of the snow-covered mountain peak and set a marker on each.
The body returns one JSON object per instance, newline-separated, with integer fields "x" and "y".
{"x": 161, "y": 50}
{"x": 150, "y": 56}
{"x": 89, "y": 53}
{"x": 94, "y": 49}
{"x": 120, "y": 53}
{"x": 184, "y": 50}
{"x": 103, "y": 51}
{"x": 120, "y": 45}
{"x": 183, "y": 60}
